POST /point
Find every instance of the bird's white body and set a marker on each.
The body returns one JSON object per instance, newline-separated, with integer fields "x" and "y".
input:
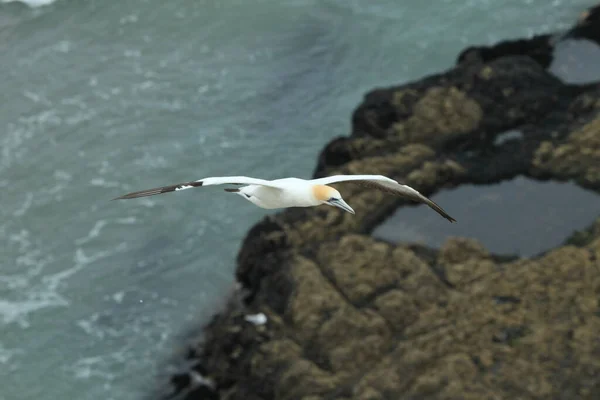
{"x": 296, "y": 192}
{"x": 293, "y": 192}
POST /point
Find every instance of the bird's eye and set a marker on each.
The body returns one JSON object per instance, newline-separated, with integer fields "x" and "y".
{"x": 332, "y": 199}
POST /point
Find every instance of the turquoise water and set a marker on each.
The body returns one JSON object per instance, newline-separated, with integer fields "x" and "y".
{"x": 106, "y": 97}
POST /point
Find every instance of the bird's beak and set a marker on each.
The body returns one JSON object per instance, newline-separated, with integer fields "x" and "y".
{"x": 341, "y": 204}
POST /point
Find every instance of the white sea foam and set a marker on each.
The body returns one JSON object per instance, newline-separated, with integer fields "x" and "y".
{"x": 36, "y": 97}
{"x": 127, "y": 220}
{"x": 151, "y": 161}
{"x": 7, "y": 354}
{"x": 94, "y": 232}
{"x": 18, "y": 311}
{"x": 93, "y": 367}
{"x": 129, "y": 19}
{"x": 80, "y": 116}
{"x": 93, "y": 326}
{"x": 64, "y": 46}
{"x": 101, "y": 182}
{"x": 25, "y": 206}
{"x": 118, "y": 297}
{"x": 31, "y": 3}
{"x": 62, "y": 175}
{"x": 26, "y": 293}
{"x": 30, "y": 288}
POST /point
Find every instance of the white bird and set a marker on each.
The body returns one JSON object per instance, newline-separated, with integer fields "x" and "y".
{"x": 295, "y": 192}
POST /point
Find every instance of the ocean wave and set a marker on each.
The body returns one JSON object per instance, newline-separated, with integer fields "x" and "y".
{"x": 31, "y": 3}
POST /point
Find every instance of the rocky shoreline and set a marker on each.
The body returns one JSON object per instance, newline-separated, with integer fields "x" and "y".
{"x": 325, "y": 311}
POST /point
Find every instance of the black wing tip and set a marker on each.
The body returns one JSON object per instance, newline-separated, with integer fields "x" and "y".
{"x": 126, "y": 196}
{"x": 448, "y": 217}
{"x": 121, "y": 197}
{"x": 143, "y": 193}
{"x": 160, "y": 190}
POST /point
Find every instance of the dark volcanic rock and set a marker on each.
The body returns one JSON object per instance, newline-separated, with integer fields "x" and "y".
{"x": 538, "y": 48}
{"x": 588, "y": 25}
{"x": 351, "y": 317}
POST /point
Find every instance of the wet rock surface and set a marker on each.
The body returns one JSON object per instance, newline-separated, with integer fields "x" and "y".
{"x": 352, "y": 317}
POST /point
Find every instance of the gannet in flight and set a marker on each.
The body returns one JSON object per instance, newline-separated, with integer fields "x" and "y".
{"x": 295, "y": 192}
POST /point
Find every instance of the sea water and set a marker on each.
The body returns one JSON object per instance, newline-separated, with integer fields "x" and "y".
{"x": 105, "y": 97}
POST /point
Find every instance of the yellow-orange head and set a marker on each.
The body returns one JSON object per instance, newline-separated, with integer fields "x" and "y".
{"x": 324, "y": 193}
{"x": 328, "y": 195}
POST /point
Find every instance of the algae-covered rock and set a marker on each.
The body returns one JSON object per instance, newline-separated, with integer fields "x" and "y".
{"x": 350, "y": 317}
{"x": 521, "y": 329}
{"x": 441, "y": 111}
{"x": 574, "y": 158}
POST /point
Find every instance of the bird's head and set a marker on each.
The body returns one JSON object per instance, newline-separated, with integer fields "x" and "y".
{"x": 328, "y": 195}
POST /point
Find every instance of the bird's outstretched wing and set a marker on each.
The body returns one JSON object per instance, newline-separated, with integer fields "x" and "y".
{"x": 387, "y": 185}
{"x": 217, "y": 180}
